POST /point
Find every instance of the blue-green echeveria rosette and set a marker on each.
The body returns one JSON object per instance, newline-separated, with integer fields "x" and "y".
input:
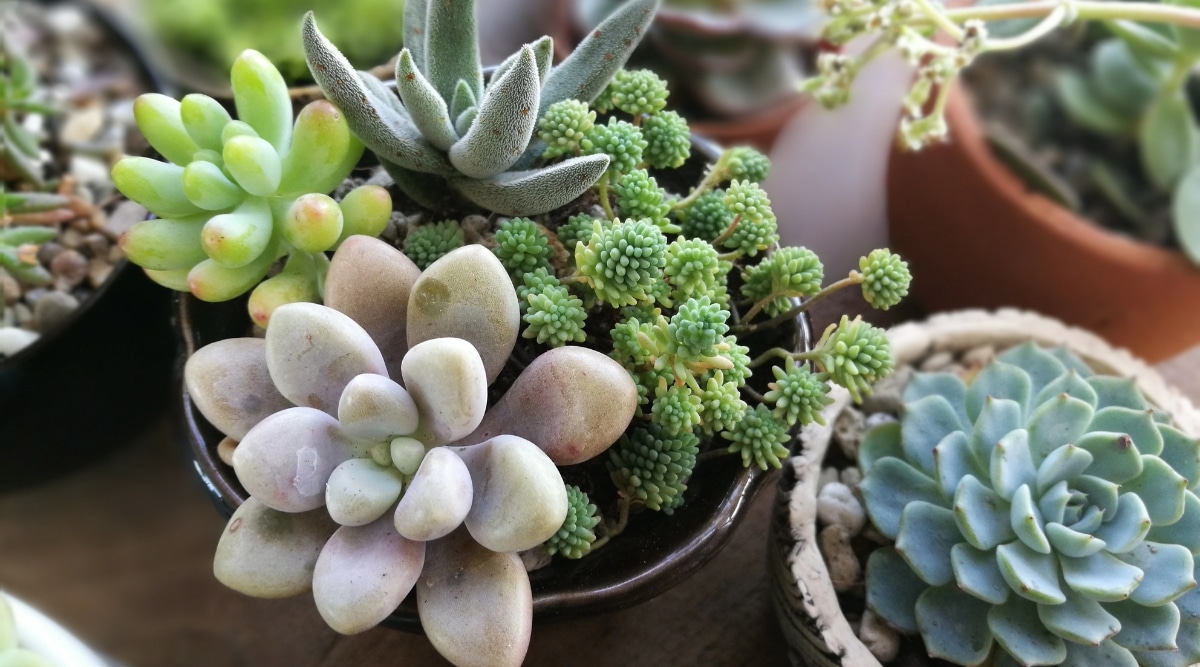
{"x": 1041, "y": 514}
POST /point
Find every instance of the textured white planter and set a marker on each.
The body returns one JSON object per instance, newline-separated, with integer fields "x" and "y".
{"x": 36, "y": 632}
{"x": 817, "y": 632}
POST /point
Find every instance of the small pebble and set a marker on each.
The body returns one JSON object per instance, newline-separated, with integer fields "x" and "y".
{"x": 52, "y": 310}
{"x": 851, "y": 477}
{"x": 90, "y": 172}
{"x": 888, "y": 393}
{"x": 879, "y": 637}
{"x": 837, "y": 505}
{"x": 844, "y": 569}
{"x": 827, "y": 475}
{"x": 535, "y": 558}
{"x": 69, "y": 268}
{"x": 24, "y": 315}
{"x": 936, "y": 362}
{"x": 71, "y": 238}
{"x": 115, "y": 255}
{"x": 80, "y": 126}
{"x": 96, "y": 244}
{"x": 10, "y": 288}
{"x": 99, "y": 269}
{"x": 979, "y": 356}
{"x": 48, "y": 251}
{"x": 126, "y": 215}
{"x": 13, "y": 340}
{"x": 848, "y": 432}
{"x": 879, "y": 418}
{"x": 32, "y": 295}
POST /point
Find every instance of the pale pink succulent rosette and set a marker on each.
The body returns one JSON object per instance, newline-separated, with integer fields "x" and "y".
{"x": 353, "y": 494}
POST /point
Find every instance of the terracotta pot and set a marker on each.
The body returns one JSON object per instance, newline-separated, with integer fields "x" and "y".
{"x": 817, "y": 631}
{"x": 975, "y": 236}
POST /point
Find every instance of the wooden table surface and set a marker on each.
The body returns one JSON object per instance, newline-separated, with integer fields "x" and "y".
{"x": 121, "y": 554}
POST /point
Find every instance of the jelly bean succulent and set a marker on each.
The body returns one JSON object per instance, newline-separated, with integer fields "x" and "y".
{"x": 1041, "y": 514}
{"x": 447, "y": 129}
{"x": 234, "y": 196}
{"x": 10, "y": 652}
{"x": 365, "y": 489}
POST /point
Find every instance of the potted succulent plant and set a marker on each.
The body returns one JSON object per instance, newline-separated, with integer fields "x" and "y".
{"x": 67, "y": 77}
{"x": 443, "y": 422}
{"x": 990, "y": 211}
{"x": 1045, "y": 514}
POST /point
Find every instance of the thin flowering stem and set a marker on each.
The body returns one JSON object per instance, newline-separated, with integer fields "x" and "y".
{"x": 855, "y": 278}
{"x": 938, "y": 17}
{"x": 1053, "y": 21}
{"x": 724, "y": 236}
{"x": 1095, "y": 10}
{"x": 780, "y": 353}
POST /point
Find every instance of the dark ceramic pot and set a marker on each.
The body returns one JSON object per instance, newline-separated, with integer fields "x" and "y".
{"x": 95, "y": 382}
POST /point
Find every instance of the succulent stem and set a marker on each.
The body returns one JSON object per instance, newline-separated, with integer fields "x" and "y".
{"x": 855, "y": 278}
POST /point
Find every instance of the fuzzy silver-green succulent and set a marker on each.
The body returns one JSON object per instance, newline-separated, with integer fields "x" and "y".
{"x": 446, "y": 124}
{"x": 1041, "y": 515}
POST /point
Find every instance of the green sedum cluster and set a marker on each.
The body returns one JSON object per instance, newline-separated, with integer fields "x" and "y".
{"x": 234, "y": 196}
{"x": 20, "y": 156}
{"x": 19, "y": 243}
{"x": 574, "y": 540}
{"x": 1041, "y": 514}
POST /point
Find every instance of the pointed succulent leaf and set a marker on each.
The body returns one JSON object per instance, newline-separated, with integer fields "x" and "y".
{"x": 953, "y": 625}
{"x": 1011, "y": 464}
{"x": 1187, "y": 653}
{"x": 896, "y": 601}
{"x": 386, "y": 132}
{"x": 998, "y": 418}
{"x": 953, "y": 459}
{"x": 982, "y": 515}
{"x": 314, "y": 351}
{"x": 1071, "y": 361}
{"x": 597, "y": 58}
{"x": 261, "y": 97}
{"x": 1182, "y": 453}
{"x": 927, "y": 533}
{"x": 998, "y": 380}
{"x": 1092, "y": 517}
{"x": 438, "y": 498}
{"x": 1052, "y": 503}
{"x": 1161, "y": 488}
{"x": 266, "y": 553}
{"x": 1059, "y": 421}
{"x": 1115, "y": 457}
{"x": 240, "y": 237}
{"x": 230, "y": 385}
{"x": 878, "y": 443}
{"x": 1137, "y": 424}
{"x": 1189, "y": 602}
{"x": 1168, "y": 572}
{"x": 505, "y": 122}
{"x": 534, "y": 191}
{"x": 464, "y": 98}
{"x": 1101, "y": 495}
{"x": 1072, "y": 543}
{"x": 159, "y": 119}
{"x": 1145, "y": 628}
{"x": 476, "y": 605}
{"x": 892, "y": 485}
{"x": 452, "y": 47}
{"x": 254, "y": 164}
{"x": 1185, "y": 531}
{"x": 373, "y": 407}
{"x": 415, "y": 14}
{"x": 1016, "y": 627}
{"x": 206, "y": 185}
{"x": 447, "y": 380}
{"x": 1066, "y": 462}
{"x": 360, "y": 491}
{"x": 977, "y": 573}
{"x": 1100, "y": 576}
{"x": 204, "y": 119}
{"x": 156, "y": 185}
{"x": 1042, "y": 366}
{"x": 1114, "y": 391}
{"x": 163, "y": 245}
{"x": 1027, "y": 521}
{"x": 1030, "y": 574}
{"x": 1079, "y": 619}
{"x": 363, "y": 574}
{"x": 462, "y": 122}
{"x": 925, "y": 423}
{"x": 323, "y": 151}
{"x": 1071, "y": 384}
{"x": 1107, "y": 653}
{"x": 210, "y": 281}
{"x": 427, "y": 108}
{"x": 947, "y": 385}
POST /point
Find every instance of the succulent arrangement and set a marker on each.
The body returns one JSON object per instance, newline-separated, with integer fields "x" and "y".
{"x": 10, "y": 652}
{"x": 1041, "y": 514}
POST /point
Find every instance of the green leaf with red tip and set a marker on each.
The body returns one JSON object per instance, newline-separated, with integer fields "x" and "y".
{"x": 313, "y": 223}
{"x": 323, "y": 151}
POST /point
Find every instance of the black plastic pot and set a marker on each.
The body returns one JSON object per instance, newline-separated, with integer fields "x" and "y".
{"x": 94, "y": 383}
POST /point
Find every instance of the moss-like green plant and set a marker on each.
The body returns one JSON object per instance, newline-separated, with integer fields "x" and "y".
{"x": 576, "y": 537}
{"x": 1041, "y": 515}
{"x": 425, "y": 244}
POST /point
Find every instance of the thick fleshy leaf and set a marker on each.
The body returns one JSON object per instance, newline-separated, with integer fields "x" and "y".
{"x": 1071, "y": 384}
{"x": 1027, "y": 521}
{"x": 891, "y": 486}
{"x": 1072, "y": 543}
{"x": 1079, "y": 619}
{"x": 476, "y": 605}
{"x": 1054, "y": 501}
{"x": 467, "y": 294}
{"x": 254, "y": 164}
{"x": 1112, "y": 391}
{"x": 1042, "y": 367}
{"x": 1031, "y": 575}
{"x": 1185, "y": 212}
{"x": 894, "y": 601}
{"x": 1066, "y": 462}
{"x": 1016, "y": 627}
{"x": 998, "y": 418}
{"x": 954, "y": 459}
{"x": 1182, "y": 453}
{"x": 1101, "y": 495}
{"x": 1168, "y": 572}
{"x": 1012, "y": 464}
{"x": 1137, "y": 424}
{"x": 1189, "y": 602}
{"x": 229, "y": 382}
{"x": 573, "y": 402}
{"x": 266, "y": 553}
{"x": 534, "y": 191}
{"x": 452, "y": 47}
{"x": 210, "y": 281}
{"x": 505, "y": 122}
{"x": 464, "y": 98}
{"x": 241, "y": 237}
{"x": 438, "y": 498}
{"x": 1107, "y": 653}
{"x": 982, "y": 515}
{"x": 207, "y": 186}
{"x": 520, "y": 500}
{"x": 363, "y": 574}
{"x": 1116, "y": 458}
{"x": 448, "y": 383}
{"x": 977, "y": 573}
{"x": 1145, "y": 628}
{"x": 261, "y": 97}
{"x": 927, "y": 534}
{"x": 415, "y": 14}
{"x": 1185, "y": 531}
{"x": 156, "y": 185}
{"x": 286, "y": 459}
{"x": 953, "y": 625}
{"x": 159, "y": 120}
{"x": 359, "y": 491}
{"x": 1188, "y": 652}
{"x": 947, "y": 385}
{"x": 376, "y": 408}
{"x": 999, "y": 381}
{"x": 314, "y": 351}
{"x": 1057, "y": 422}
{"x": 1100, "y": 576}
{"x": 166, "y": 245}
{"x": 204, "y": 119}
{"x": 1167, "y": 138}
{"x": 1070, "y": 361}
{"x": 426, "y": 107}
{"x": 925, "y": 423}
{"x": 1161, "y": 488}
{"x": 878, "y": 443}
{"x": 323, "y": 151}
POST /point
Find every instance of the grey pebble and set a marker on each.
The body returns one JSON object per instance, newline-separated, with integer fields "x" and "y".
{"x": 52, "y": 310}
